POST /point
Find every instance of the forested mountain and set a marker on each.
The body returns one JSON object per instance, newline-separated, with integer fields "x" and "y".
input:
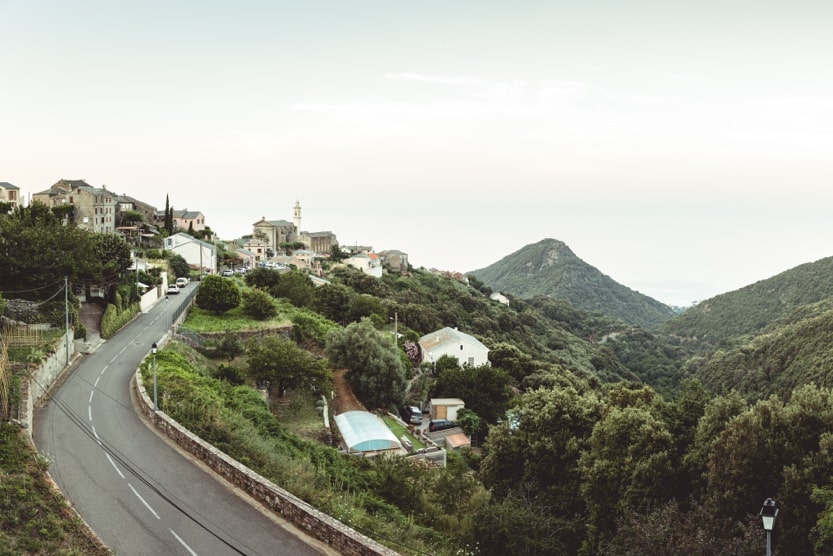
{"x": 591, "y": 461}
{"x": 550, "y": 268}
{"x": 772, "y": 363}
{"x": 553, "y": 333}
{"x": 782, "y": 299}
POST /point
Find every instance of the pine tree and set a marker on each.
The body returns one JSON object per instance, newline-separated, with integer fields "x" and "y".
{"x": 169, "y": 217}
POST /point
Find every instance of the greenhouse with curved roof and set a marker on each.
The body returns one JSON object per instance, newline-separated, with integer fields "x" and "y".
{"x": 365, "y": 432}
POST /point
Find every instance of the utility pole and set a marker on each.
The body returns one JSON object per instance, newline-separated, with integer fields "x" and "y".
{"x": 66, "y": 314}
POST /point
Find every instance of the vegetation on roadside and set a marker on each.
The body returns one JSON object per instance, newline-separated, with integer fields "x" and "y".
{"x": 238, "y": 421}
{"x": 34, "y": 517}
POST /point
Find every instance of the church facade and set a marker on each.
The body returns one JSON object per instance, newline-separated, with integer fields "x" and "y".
{"x": 277, "y": 232}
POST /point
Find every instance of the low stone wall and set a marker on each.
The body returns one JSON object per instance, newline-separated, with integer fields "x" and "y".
{"x": 315, "y": 523}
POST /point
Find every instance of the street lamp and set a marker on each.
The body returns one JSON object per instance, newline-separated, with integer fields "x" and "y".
{"x": 768, "y": 514}
{"x": 153, "y": 351}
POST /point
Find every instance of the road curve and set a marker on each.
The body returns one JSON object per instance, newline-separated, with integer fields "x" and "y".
{"x": 138, "y": 492}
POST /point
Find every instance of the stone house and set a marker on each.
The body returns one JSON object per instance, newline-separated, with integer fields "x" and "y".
{"x": 467, "y": 349}
{"x": 257, "y": 247}
{"x": 247, "y": 256}
{"x": 394, "y": 261}
{"x": 320, "y": 242}
{"x": 188, "y": 220}
{"x": 95, "y": 208}
{"x": 9, "y": 194}
{"x": 129, "y": 204}
{"x": 273, "y": 232}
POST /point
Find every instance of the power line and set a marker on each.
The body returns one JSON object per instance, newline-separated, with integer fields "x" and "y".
{"x": 16, "y": 292}
{"x": 128, "y": 465}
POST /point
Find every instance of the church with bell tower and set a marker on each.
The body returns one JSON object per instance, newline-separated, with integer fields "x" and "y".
{"x": 278, "y": 232}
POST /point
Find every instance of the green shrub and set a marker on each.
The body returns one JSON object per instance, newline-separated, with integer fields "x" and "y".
{"x": 230, "y": 374}
{"x": 308, "y": 326}
{"x": 259, "y": 305}
{"x": 112, "y": 320}
{"x": 217, "y": 294}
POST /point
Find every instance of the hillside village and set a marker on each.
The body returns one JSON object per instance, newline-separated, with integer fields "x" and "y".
{"x": 273, "y": 243}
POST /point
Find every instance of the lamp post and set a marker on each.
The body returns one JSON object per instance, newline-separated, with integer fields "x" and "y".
{"x": 153, "y": 351}
{"x": 768, "y": 514}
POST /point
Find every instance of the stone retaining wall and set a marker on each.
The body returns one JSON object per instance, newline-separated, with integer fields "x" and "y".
{"x": 315, "y": 523}
{"x": 34, "y": 387}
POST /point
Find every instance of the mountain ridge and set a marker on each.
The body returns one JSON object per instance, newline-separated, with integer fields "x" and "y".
{"x": 550, "y": 268}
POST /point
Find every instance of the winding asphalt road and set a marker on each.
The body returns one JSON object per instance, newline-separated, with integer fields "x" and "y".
{"x": 137, "y": 491}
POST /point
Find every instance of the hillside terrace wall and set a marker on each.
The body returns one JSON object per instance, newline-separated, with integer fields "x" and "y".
{"x": 34, "y": 387}
{"x": 315, "y": 523}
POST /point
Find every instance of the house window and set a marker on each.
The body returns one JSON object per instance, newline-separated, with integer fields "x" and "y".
{"x": 471, "y": 361}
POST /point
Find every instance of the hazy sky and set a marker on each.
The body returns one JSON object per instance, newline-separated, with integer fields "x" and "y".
{"x": 684, "y": 149}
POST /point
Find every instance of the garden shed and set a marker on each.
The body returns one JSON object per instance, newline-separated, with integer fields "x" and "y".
{"x": 445, "y": 408}
{"x": 365, "y": 432}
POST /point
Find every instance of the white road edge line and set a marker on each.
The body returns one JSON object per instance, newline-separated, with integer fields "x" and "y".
{"x": 182, "y": 542}
{"x": 139, "y": 496}
{"x": 103, "y": 370}
{"x": 116, "y": 467}
{"x": 96, "y": 381}
{"x": 90, "y": 412}
{"x": 95, "y": 434}
{"x": 91, "y": 395}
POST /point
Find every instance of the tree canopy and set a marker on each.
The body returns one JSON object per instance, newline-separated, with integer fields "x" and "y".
{"x": 286, "y": 365}
{"x": 374, "y": 368}
{"x": 36, "y": 250}
{"x": 217, "y": 294}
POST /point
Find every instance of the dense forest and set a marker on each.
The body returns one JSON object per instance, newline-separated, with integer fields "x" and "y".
{"x": 612, "y": 434}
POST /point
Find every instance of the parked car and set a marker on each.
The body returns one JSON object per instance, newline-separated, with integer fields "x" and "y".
{"x": 412, "y": 414}
{"x": 228, "y": 272}
{"x": 440, "y": 425}
{"x": 173, "y": 289}
{"x": 182, "y": 282}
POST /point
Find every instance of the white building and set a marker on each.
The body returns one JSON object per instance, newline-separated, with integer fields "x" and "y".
{"x": 197, "y": 253}
{"x": 368, "y": 263}
{"x": 467, "y": 349}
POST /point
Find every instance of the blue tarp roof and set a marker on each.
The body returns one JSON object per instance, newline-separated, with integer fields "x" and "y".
{"x": 364, "y": 432}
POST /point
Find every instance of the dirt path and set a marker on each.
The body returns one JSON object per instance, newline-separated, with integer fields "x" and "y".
{"x": 90, "y": 316}
{"x": 344, "y": 399}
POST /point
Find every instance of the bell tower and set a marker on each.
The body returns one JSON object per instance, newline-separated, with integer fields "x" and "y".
{"x": 296, "y": 219}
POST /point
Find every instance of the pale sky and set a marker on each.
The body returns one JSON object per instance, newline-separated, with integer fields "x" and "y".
{"x": 683, "y": 149}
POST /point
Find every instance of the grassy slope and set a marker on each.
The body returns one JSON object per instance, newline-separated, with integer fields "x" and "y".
{"x": 34, "y": 518}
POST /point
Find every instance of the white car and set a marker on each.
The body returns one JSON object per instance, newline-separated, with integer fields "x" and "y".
{"x": 173, "y": 289}
{"x": 228, "y": 272}
{"x": 181, "y": 282}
